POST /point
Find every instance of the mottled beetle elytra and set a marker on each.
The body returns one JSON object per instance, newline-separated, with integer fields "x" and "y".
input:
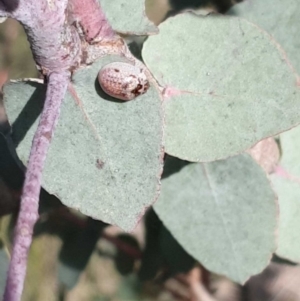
{"x": 123, "y": 80}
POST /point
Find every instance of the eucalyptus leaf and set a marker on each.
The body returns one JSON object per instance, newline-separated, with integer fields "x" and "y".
{"x": 286, "y": 182}
{"x": 279, "y": 18}
{"x": 128, "y": 17}
{"x": 227, "y": 85}
{"x": 106, "y": 156}
{"x": 223, "y": 214}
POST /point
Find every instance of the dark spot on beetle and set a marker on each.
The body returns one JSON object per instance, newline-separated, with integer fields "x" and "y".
{"x": 125, "y": 86}
{"x": 99, "y": 164}
{"x": 145, "y": 87}
{"x": 132, "y": 76}
{"x": 137, "y": 91}
{"x": 140, "y": 89}
{"x": 117, "y": 70}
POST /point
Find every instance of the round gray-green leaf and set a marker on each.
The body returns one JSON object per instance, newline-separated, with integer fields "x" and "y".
{"x": 223, "y": 214}
{"x": 128, "y": 17}
{"x": 286, "y": 182}
{"x": 228, "y": 85}
{"x": 106, "y": 156}
{"x": 279, "y": 18}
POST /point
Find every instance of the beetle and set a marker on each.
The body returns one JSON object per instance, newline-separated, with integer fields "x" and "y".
{"x": 123, "y": 81}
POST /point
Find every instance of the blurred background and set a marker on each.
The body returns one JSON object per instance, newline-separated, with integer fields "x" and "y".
{"x": 76, "y": 258}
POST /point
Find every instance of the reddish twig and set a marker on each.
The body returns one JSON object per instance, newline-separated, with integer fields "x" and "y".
{"x": 54, "y": 42}
{"x": 58, "y": 32}
{"x": 28, "y": 214}
{"x": 122, "y": 246}
{"x": 89, "y": 15}
{"x": 56, "y": 48}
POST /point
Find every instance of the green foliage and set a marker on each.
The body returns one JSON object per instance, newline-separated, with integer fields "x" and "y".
{"x": 281, "y": 20}
{"x": 227, "y": 84}
{"x": 278, "y": 18}
{"x": 105, "y": 158}
{"x": 228, "y": 210}
{"x": 137, "y": 23}
{"x": 286, "y": 182}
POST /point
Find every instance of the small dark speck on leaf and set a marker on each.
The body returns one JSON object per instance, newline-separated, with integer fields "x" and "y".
{"x": 99, "y": 164}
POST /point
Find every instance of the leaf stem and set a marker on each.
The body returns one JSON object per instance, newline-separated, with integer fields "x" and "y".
{"x": 92, "y": 19}
{"x": 54, "y": 42}
{"x": 28, "y": 214}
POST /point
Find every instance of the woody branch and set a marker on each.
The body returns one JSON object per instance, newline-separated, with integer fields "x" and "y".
{"x": 51, "y": 27}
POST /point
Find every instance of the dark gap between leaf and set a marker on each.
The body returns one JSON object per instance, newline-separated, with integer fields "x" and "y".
{"x": 29, "y": 114}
